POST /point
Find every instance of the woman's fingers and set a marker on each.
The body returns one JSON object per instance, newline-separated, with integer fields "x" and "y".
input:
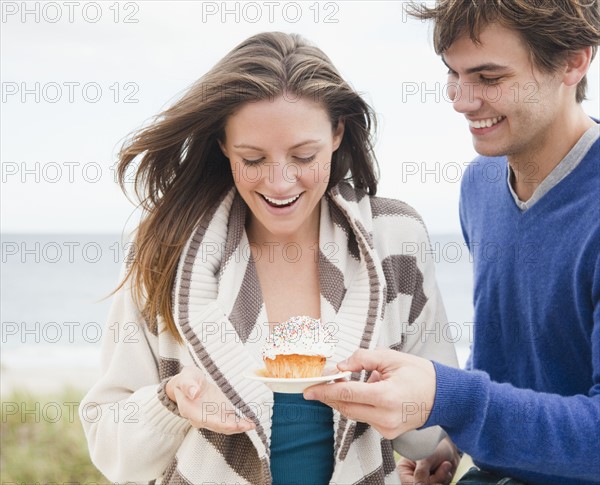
{"x": 227, "y": 423}
{"x": 204, "y": 405}
{"x": 374, "y": 377}
{"x": 190, "y": 381}
{"x": 443, "y": 474}
{"x": 406, "y": 469}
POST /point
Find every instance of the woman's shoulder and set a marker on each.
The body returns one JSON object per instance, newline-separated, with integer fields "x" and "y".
{"x": 380, "y": 206}
{"x": 397, "y": 226}
{"x": 390, "y": 219}
{"x": 387, "y": 207}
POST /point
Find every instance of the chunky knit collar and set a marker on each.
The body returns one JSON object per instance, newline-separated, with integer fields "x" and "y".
{"x": 221, "y": 316}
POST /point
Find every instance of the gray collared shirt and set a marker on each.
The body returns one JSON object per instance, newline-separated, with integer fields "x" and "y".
{"x": 564, "y": 168}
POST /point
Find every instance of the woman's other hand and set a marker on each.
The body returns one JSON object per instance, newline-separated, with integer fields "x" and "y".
{"x": 203, "y": 403}
{"x": 436, "y": 469}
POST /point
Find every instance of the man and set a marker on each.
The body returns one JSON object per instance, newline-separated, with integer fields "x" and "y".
{"x": 528, "y": 407}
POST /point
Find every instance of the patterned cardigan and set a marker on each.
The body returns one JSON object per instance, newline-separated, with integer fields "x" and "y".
{"x": 377, "y": 289}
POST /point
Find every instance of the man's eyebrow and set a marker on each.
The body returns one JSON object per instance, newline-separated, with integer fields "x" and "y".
{"x": 490, "y": 66}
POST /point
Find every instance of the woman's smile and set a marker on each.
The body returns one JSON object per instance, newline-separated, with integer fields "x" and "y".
{"x": 280, "y": 153}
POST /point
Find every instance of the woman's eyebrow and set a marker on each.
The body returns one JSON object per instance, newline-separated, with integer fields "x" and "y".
{"x": 252, "y": 147}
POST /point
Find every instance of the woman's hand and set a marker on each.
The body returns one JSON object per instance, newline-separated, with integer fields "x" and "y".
{"x": 437, "y": 469}
{"x": 203, "y": 403}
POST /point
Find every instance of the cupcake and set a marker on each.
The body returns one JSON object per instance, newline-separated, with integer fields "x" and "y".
{"x": 297, "y": 347}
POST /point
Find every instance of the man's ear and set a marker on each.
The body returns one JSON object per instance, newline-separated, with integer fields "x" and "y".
{"x": 338, "y": 134}
{"x": 578, "y": 63}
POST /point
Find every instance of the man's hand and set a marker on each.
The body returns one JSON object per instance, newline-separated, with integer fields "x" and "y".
{"x": 437, "y": 469}
{"x": 203, "y": 403}
{"x": 397, "y": 397}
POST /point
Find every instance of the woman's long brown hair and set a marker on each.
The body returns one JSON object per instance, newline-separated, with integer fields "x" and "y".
{"x": 180, "y": 171}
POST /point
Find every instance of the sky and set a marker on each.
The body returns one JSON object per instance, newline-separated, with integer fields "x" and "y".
{"x": 78, "y": 77}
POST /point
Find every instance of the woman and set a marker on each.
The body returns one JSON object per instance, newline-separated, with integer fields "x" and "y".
{"x": 258, "y": 187}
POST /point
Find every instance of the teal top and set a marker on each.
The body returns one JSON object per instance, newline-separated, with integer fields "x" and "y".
{"x": 301, "y": 441}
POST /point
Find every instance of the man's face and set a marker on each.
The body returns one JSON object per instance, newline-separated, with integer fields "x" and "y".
{"x": 511, "y": 106}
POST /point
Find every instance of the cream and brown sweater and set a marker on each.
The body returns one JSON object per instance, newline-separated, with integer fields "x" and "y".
{"x": 377, "y": 288}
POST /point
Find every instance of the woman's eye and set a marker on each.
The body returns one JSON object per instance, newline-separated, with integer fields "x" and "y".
{"x": 306, "y": 159}
{"x": 252, "y": 162}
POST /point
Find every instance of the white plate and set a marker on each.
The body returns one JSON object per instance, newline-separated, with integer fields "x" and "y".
{"x": 295, "y": 386}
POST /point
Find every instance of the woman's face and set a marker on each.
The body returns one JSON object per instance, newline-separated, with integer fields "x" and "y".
{"x": 280, "y": 153}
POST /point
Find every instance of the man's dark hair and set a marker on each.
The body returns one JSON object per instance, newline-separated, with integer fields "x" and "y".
{"x": 551, "y": 29}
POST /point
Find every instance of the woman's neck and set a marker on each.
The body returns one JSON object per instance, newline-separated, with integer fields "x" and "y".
{"x": 306, "y": 235}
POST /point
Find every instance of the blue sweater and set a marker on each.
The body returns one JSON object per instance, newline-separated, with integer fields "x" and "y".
{"x": 531, "y": 409}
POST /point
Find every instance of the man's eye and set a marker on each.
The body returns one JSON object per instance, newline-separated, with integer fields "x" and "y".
{"x": 252, "y": 162}
{"x": 452, "y": 75}
{"x": 306, "y": 160}
{"x": 490, "y": 80}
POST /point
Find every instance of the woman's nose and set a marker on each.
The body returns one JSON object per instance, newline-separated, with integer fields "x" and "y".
{"x": 282, "y": 174}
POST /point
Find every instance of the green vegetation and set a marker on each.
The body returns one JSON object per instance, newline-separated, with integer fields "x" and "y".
{"x": 42, "y": 441}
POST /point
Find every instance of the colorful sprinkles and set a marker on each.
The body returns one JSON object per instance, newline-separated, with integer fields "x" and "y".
{"x": 299, "y": 335}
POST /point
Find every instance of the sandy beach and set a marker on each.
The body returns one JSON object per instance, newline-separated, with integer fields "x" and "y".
{"x": 45, "y": 381}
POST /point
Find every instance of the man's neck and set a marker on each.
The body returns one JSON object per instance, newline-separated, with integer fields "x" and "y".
{"x": 533, "y": 166}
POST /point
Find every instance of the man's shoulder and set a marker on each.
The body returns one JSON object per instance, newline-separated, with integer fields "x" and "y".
{"x": 483, "y": 173}
{"x": 594, "y": 150}
{"x": 486, "y": 166}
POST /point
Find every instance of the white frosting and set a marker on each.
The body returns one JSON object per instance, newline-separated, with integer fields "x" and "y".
{"x": 299, "y": 335}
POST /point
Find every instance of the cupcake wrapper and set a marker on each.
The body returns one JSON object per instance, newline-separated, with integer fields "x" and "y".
{"x": 295, "y": 366}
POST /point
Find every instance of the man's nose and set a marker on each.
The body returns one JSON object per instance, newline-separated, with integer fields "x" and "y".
{"x": 466, "y": 96}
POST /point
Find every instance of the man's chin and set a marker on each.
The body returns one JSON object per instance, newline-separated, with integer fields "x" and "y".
{"x": 488, "y": 151}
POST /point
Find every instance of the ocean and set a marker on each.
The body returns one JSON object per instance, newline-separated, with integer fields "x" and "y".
{"x": 55, "y": 296}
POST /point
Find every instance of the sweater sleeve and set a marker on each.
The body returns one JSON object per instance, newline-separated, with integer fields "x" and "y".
{"x": 504, "y": 426}
{"x": 501, "y": 425}
{"x": 132, "y": 428}
{"x": 462, "y": 214}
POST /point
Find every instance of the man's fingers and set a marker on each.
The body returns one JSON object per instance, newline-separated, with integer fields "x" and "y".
{"x": 356, "y": 412}
{"x": 345, "y": 397}
{"x": 378, "y": 359}
{"x": 371, "y": 403}
{"x": 363, "y": 413}
{"x": 349, "y": 391}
